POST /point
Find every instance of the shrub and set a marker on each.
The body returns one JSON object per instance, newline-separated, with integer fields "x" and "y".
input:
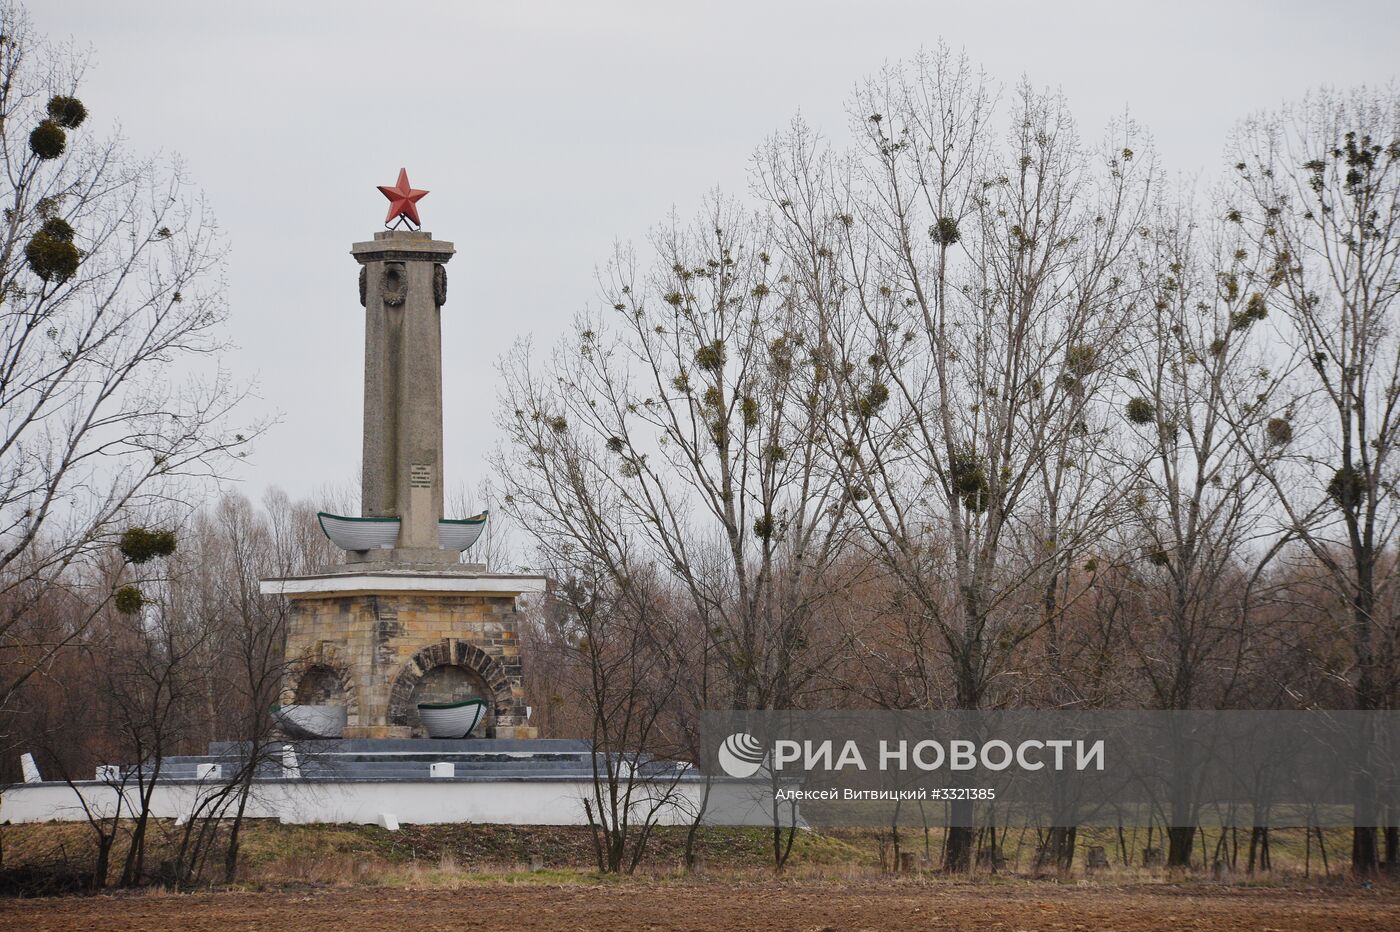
{"x": 1346, "y": 487}
{"x": 53, "y": 258}
{"x": 873, "y": 400}
{"x": 1081, "y": 360}
{"x": 1140, "y": 411}
{"x": 57, "y": 228}
{"x": 945, "y": 231}
{"x": 48, "y": 140}
{"x": 139, "y": 545}
{"x": 129, "y": 600}
{"x": 1255, "y": 309}
{"x": 67, "y": 111}
{"x": 711, "y": 356}
{"x": 969, "y": 478}
{"x": 749, "y": 408}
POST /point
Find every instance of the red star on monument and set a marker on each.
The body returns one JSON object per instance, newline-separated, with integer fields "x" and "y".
{"x": 403, "y": 200}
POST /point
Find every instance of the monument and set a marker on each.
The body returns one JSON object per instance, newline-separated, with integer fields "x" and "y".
{"x": 402, "y": 641}
{"x": 403, "y": 636}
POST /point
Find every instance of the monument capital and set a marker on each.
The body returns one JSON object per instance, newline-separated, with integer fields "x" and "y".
{"x": 403, "y": 246}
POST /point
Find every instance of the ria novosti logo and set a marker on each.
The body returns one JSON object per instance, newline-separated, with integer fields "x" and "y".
{"x": 741, "y": 755}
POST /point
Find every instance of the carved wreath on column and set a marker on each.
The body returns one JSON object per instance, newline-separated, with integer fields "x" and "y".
{"x": 439, "y": 284}
{"x": 394, "y": 284}
{"x": 394, "y": 287}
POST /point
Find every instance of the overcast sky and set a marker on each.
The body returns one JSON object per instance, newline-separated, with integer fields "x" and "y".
{"x": 545, "y": 131}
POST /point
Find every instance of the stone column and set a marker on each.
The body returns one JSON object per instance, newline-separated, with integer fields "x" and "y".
{"x": 403, "y": 286}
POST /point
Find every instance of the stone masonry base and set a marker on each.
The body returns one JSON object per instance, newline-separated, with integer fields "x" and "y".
{"x": 381, "y": 653}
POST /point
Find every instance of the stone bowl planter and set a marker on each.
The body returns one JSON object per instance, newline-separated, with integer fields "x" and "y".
{"x": 461, "y": 533}
{"x": 310, "y": 722}
{"x": 451, "y": 719}
{"x": 360, "y": 534}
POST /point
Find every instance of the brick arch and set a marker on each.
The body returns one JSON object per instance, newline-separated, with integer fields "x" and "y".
{"x": 326, "y": 656}
{"x": 449, "y": 652}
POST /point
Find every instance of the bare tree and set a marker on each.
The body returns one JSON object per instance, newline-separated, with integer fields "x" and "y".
{"x": 1317, "y": 194}
{"x": 149, "y": 672}
{"x": 105, "y": 821}
{"x": 699, "y": 421}
{"x": 628, "y": 688}
{"x": 239, "y": 544}
{"x": 688, "y": 408}
{"x": 110, "y": 277}
{"x": 1202, "y": 413}
{"x": 606, "y": 625}
{"x": 963, "y": 294}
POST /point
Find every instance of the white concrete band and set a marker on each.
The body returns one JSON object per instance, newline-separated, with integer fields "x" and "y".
{"x": 358, "y": 583}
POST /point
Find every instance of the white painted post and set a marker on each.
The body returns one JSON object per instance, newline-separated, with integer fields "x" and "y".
{"x": 388, "y": 821}
{"x": 290, "y": 768}
{"x": 30, "y": 769}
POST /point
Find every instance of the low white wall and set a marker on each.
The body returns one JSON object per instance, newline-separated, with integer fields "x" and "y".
{"x": 512, "y": 802}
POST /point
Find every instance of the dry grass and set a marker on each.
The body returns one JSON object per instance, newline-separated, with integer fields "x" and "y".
{"x": 457, "y": 856}
{"x": 480, "y": 876}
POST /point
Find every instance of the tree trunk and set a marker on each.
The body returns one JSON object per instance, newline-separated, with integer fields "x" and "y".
{"x": 782, "y": 845}
{"x": 231, "y": 855}
{"x": 1258, "y": 847}
{"x": 135, "y": 864}
{"x": 1060, "y": 847}
{"x": 957, "y": 854}
{"x": 692, "y": 833}
{"x": 593, "y": 833}
{"x": 1179, "y": 841}
{"x": 1365, "y": 853}
{"x": 104, "y": 857}
{"x": 1365, "y": 836}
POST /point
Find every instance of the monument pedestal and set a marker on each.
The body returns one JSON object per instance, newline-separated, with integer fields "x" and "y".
{"x": 403, "y": 622}
{"x": 381, "y": 639}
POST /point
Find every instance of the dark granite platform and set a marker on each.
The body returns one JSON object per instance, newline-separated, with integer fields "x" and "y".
{"x": 404, "y": 759}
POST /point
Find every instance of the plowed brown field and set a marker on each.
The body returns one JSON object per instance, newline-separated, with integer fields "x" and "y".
{"x": 704, "y": 905}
